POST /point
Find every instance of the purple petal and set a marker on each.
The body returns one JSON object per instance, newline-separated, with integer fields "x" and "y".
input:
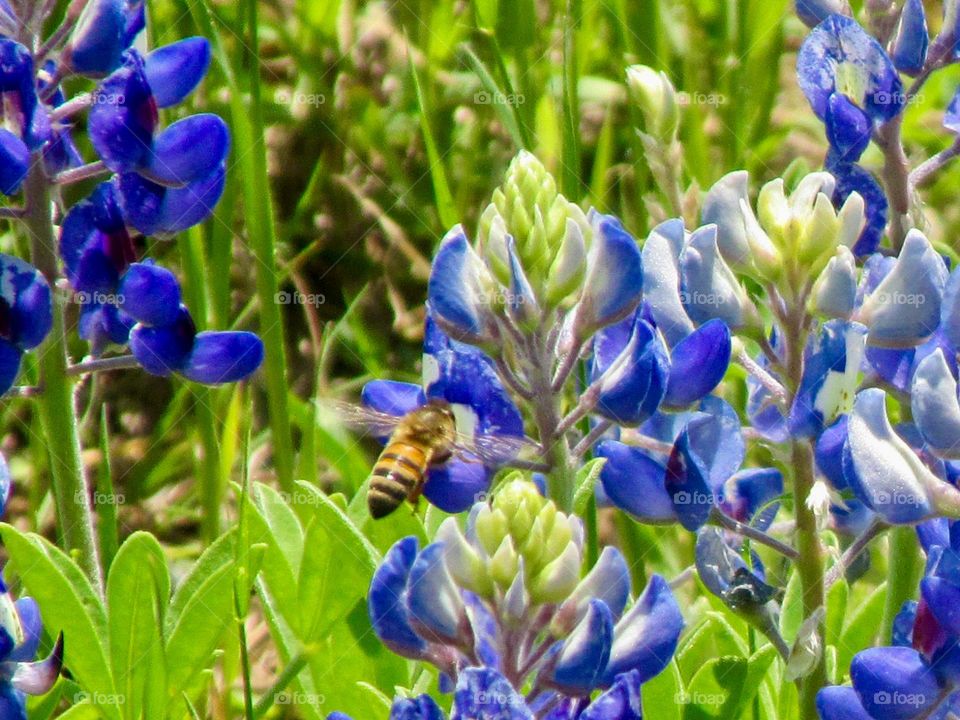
{"x": 97, "y": 41}
{"x": 14, "y": 162}
{"x": 893, "y": 683}
{"x": 749, "y": 491}
{"x": 584, "y": 653}
{"x": 485, "y": 693}
{"x": 150, "y": 294}
{"x": 189, "y": 150}
{"x": 646, "y": 637}
{"x": 614, "y": 281}
{"x": 123, "y": 116}
{"x": 909, "y": 46}
{"x": 391, "y": 397}
{"x": 698, "y": 364}
{"x": 840, "y": 702}
{"x": 223, "y": 357}
{"x": 456, "y": 485}
{"x": 174, "y": 70}
{"x": 36, "y": 678}
{"x": 386, "y": 600}
{"x": 634, "y": 482}
{"x": 28, "y": 315}
{"x": 94, "y": 242}
{"x": 164, "y": 349}
{"x": 157, "y": 210}
{"x": 434, "y": 601}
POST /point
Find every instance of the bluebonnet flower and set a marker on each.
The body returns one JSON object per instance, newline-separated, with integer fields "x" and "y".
{"x": 919, "y": 675}
{"x": 24, "y": 125}
{"x": 516, "y": 573}
{"x": 26, "y": 314}
{"x": 103, "y": 31}
{"x": 466, "y": 378}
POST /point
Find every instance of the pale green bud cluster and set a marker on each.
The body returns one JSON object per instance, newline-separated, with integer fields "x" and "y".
{"x": 550, "y": 234}
{"x": 794, "y": 236}
{"x": 519, "y": 544}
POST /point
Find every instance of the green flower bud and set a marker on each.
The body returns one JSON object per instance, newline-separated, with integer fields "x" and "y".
{"x": 505, "y": 563}
{"x": 466, "y": 566}
{"x": 657, "y": 98}
{"x": 558, "y": 578}
{"x": 568, "y": 269}
{"x": 491, "y": 527}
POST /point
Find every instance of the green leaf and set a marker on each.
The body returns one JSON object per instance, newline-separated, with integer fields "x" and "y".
{"x": 273, "y": 522}
{"x": 757, "y": 668}
{"x": 791, "y": 612}
{"x": 586, "y": 480}
{"x": 714, "y": 690}
{"x": 660, "y": 696}
{"x": 138, "y": 591}
{"x": 69, "y": 604}
{"x": 201, "y": 609}
{"x": 862, "y": 628}
{"x": 836, "y": 610}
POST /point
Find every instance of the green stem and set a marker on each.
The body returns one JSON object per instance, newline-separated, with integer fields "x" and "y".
{"x": 903, "y": 574}
{"x": 58, "y": 415}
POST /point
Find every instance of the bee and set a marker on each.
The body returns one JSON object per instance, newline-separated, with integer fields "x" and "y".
{"x": 425, "y": 437}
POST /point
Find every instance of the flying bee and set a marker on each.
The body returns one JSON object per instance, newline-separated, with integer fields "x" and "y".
{"x": 425, "y": 437}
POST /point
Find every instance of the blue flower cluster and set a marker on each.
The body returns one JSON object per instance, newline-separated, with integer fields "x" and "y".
{"x": 502, "y": 607}
{"x": 164, "y": 180}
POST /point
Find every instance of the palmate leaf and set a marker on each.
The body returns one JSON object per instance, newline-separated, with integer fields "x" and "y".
{"x": 68, "y": 603}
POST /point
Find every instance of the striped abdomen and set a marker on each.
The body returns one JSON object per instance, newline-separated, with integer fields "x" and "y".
{"x": 397, "y": 476}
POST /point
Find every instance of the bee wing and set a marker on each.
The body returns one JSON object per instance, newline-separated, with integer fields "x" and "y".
{"x": 494, "y": 450}
{"x": 358, "y": 416}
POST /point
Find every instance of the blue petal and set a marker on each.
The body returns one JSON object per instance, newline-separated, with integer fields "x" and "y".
{"x": 943, "y": 600}
{"x": 687, "y": 479}
{"x": 883, "y": 471}
{"x": 848, "y": 127}
{"x": 464, "y": 375}
{"x": 698, "y": 364}
{"x": 164, "y": 349}
{"x": 456, "y": 485}
{"x": 829, "y": 452}
{"x": 101, "y": 324}
{"x": 840, "y": 702}
{"x": 6, "y": 483}
{"x": 721, "y": 207}
{"x": 646, "y": 637}
{"x": 223, "y": 357}
{"x": 391, "y": 397}
{"x": 157, "y": 210}
{"x": 950, "y": 308}
{"x": 951, "y": 118}
{"x": 838, "y": 47}
{"x": 829, "y": 377}
{"x": 484, "y": 694}
{"x": 902, "y": 630}
{"x": 14, "y": 162}
{"x": 750, "y": 490}
{"x": 94, "y": 242}
{"x": 904, "y": 309}
{"x": 661, "y": 280}
{"x": 174, "y": 70}
{"x": 836, "y": 289}
{"x": 608, "y": 581}
{"x": 150, "y": 294}
{"x": 419, "y": 708}
{"x": 620, "y": 702}
{"x": 189, "y": 150}
{"x": 36, "y": 678}
{"x": 98, "y": 38}
{"x": 717, "y": 563}
{"x": 634, "y": 482}
{"x": 386, "y": 600}
{"x": 935, "y": 406}
{"x": 632, "y": 387}
{"x": 29, "y": 311}
{"x": 893, "y": 683}
{"x": 433, "y": 599}
{"x": 709, "y": 289}
{"x": 718, "y": 442}
{"x": 584, "y": 653}
{"x": 614, "y": 281}
{"x": 852, "y": 178}
{"x": 456, "y": 289}
{"x": 29, "y": 614}
{"x": 123, "y": 116}
{"x": 12, "y": 705}
{"x": 909, "y": 46}
{"x": 10, "y": 357}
